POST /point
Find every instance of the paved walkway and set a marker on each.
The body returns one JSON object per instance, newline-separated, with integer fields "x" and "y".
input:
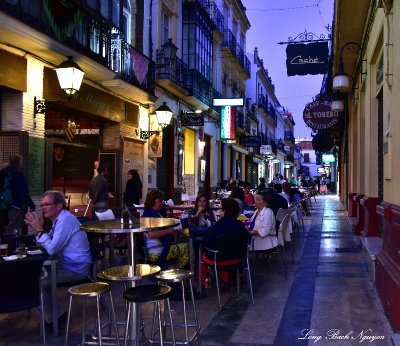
{"x": 326, "y": 298}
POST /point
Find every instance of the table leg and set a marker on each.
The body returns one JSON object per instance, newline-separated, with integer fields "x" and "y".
{"x": 54, "y": 300}
{"x": 134, "y": 317}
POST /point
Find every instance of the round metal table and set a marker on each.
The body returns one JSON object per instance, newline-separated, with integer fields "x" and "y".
{"x": 131, "y": 227}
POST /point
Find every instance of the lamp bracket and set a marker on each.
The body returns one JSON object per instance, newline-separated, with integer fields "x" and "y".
{"x": 307, "y": 36}
{"x": 148, "y": 134}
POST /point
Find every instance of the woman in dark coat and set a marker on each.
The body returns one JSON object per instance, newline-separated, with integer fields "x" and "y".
{"x": 133, "y": 189}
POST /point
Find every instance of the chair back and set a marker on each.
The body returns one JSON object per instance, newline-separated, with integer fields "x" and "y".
{"x": 232, "y": 246}
{"x": 20, "y": 284}
{"x": 106, "y": 215}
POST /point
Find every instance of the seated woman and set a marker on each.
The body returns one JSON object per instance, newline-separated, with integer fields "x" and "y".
{"x": 201, "y": 217}
{"x": 160, "y": 243}
{"x": 262, "y": 224}
{"x": 226, "y": 225}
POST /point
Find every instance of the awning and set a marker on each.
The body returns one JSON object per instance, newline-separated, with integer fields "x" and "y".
{"x": 239, "y": 149}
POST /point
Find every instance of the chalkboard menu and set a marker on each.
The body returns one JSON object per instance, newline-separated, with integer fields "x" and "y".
{"x": 36, "y": 165}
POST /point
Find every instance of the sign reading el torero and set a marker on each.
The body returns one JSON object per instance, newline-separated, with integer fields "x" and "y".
{"x": 319, "y": 116}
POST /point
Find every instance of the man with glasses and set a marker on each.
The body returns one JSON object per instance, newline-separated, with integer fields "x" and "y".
{"x": 65, "y": 239}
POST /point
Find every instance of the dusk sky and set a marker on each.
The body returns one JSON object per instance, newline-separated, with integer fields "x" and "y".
{"x": 276, "y": 21}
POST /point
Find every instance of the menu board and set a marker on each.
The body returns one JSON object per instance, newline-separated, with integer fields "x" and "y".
{"x": 36, "y": 165}
{"x": 133, "y": 155}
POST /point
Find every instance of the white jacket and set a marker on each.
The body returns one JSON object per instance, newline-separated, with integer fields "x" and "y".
{"x": 265, "y": 225}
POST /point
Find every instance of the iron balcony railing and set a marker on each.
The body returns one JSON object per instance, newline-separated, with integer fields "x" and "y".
{"x": 216, "y": 17}
{"x": 215, "y": 94}
{"x": 198, "y": 86}
{"x": 229, "y": 41}
{"x": 172, "y": 69}
{"x": 89, "y": 34}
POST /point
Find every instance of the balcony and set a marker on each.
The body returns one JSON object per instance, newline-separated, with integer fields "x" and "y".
{"x": 242, "y": 122}
{"x": 235, "y": 50}
{"x": 197, "y": 86}
{"x": 288, "y": 137}
{"x": 170, "y": 73}
{"x": 88, "y": 34}
{"x": 216, "y": 17}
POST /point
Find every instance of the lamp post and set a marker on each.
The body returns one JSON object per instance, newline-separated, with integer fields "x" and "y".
{"x": 70, "y": 77}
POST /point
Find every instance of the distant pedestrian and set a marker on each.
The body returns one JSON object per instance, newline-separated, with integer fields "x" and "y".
{"x": 98, "y": 189}
{"x": 13, "y": 218}
{"x": 133, "y": 189}
{"x": 261, "y": 186}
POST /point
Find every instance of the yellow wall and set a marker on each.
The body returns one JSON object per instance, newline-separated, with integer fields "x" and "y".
{"x": 189, "y": 151}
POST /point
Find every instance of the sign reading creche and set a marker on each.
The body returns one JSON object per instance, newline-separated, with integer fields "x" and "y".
{"x": 319, "y": 116}
{"x": 303, "y": 59}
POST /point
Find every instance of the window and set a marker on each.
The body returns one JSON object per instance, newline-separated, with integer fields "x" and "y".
{"x": 165, "y": 28}
{"x": 306, "y": 158}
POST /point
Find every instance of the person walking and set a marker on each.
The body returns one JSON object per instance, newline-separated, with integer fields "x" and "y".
{"x": 13, "y": 218}
{"x": 98, "y": 189}
{"x": 133, "y": 189}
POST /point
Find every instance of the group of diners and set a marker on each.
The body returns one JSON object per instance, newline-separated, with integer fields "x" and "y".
{"x": 71, "y": 245}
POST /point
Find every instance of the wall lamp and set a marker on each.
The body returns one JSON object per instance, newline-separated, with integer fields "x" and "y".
{"x": 70, "y": 77}
{"x": 169, "y": 50}
{"x": 341, "y": 80}
{"x": 164, "y": 115}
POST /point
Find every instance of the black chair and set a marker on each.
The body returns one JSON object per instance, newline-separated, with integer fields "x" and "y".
{"x": 231, "y": 247}
{"x": 21, "y": 288}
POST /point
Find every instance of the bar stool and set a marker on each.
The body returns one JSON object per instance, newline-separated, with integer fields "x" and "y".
{"x": 92, "y": 289}
{"x": 181, "y": 276}
{"x": 125, "y": 275}
{"x": 147, "y": 294}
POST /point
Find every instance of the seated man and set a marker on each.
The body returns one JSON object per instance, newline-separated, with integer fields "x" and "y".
{"x": 65, "y": 240}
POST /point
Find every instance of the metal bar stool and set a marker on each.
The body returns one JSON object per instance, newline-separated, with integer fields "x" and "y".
{"x": 181, "y": 276}
{"x": 147, "y": 294}
{"x": 124, "y": 274}
{"x": 93, "y": 289}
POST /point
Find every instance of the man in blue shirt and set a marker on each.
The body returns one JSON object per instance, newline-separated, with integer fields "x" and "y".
{"x": 65, "y": 240}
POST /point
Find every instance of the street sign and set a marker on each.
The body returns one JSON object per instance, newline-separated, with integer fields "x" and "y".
{"x": 251, "y": 141}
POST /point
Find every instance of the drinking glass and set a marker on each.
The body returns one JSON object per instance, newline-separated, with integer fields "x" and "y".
{"x": 3, "y": 250}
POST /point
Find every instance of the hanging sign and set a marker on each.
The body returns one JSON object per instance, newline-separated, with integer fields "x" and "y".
{"x": 192, "y": 119}
{"x": 228, "y": 124}
{"x": 251, "y": 141}
{"x": 319, "y": 116}
{"x": 304, "y": 59}
{"x": 266, "y": 150}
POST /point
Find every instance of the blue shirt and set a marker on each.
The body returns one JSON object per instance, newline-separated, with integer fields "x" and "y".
{"x": 68, "y": 242}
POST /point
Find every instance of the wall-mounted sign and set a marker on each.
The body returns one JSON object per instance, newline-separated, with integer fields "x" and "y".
{"x": 303, "y": 59}
{"x": 228, "y": 124}
{"x": 192, "y": 119}
{"x": 266, "y": 149}
{"x": 328, "y": 158}
{"x": 321, "y": 170}
{"x": 252, "y": 141}
{"x": 319, "y": 116}
{"x": 228, "y": 102}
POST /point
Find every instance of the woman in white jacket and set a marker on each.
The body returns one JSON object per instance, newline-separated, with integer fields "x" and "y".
{"x": 262, "y": 224}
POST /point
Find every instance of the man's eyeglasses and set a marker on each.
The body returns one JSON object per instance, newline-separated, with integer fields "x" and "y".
{"x": 46, "y": 204}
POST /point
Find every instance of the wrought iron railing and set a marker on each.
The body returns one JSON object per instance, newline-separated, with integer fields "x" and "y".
{"x": 172, "y": 69}
{"x": 229, "y": 41}
{"x": 91, "y": 35}
{"x": 215, "y": 94}
{"x": 197, "y": 85}
{"x": 216, "y": 16}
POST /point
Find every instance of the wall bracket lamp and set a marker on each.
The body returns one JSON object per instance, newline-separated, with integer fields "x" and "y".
{"x": 70, "y": 77}
{"x": 164, "y": 116}
{"x": 341, "y": 80}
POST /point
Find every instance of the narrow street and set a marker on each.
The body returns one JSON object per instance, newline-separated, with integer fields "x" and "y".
{"x": 326, "y": 299}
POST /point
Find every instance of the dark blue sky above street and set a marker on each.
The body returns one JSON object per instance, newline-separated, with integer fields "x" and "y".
{"x": 276, "y": 21}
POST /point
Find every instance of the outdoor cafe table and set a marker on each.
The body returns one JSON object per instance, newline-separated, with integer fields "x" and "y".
{"x": 131, "y": 227}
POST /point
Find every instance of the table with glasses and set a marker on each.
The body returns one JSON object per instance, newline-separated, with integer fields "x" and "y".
{"x": 131, "y": 227}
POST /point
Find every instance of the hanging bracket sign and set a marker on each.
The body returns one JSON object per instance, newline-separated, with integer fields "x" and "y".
{"x": 192, "y": 119}
{"x": 319, "y": 116}
{"x": 304, "y": 59}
